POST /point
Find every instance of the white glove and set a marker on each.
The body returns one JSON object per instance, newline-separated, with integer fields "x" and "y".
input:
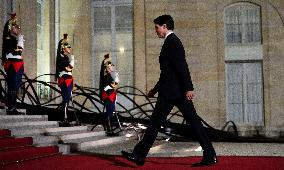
{"x": 71, "y": 60}
{"x": 21, "y": 41}
{"x": 116, "y": 79}
{"x": 107, "y": 88}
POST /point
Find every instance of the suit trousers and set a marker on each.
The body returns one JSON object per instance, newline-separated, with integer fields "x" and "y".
{"x": 161, "y": 111}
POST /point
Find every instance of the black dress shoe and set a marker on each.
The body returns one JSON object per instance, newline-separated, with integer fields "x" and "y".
{"x": 206, "y": 162}
{"x": 133, "y": 158}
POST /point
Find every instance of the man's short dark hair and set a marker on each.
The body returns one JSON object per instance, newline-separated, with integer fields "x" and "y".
{"x": 165, "y": 19}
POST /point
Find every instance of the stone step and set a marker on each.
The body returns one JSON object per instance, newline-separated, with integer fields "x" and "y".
{"x": 64, "y": 148}
{"x": 48, "y": 131}
{"x": 29, "y": 125}
{"x": 45, "y": 140}
{"x": 114, "y": 149}
{"x": 27, "y": 132}
{"x": 22, "y": 118}
{"x": 82, "y": 137}
{"x": 51, "y": 141}
{"x": 65, "y": 130}
{"x": 85, "y": 146}
{"x": 3, "y": 112}
{"x": 95, "y": 128}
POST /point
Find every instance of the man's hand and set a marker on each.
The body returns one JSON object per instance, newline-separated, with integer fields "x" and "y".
{"x": 189, "y": 95}
{"x": 151, "y": 93}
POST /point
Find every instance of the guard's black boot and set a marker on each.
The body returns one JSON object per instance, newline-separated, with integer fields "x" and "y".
{"x": 2, "y": 103}
{"x": 64, "y": 123}
{"x": 12, "y": 99}
{"x": 63, "y": 116}
{"x": 77, "y": 123}
{"x": 14, "y": 111}
{"x": 109, "y": 128}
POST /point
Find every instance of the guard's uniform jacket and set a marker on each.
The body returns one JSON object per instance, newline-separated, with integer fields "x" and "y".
{"x": 13, "y": 60}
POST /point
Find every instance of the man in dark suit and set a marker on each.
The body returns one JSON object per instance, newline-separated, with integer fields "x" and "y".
{"x": 174, "y": 89}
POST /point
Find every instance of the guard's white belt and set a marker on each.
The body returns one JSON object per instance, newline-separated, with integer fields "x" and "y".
{"x": 10, "y": 55}
{"x": 64, "y": 72}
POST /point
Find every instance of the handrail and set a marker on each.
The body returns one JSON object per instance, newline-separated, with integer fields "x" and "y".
{"x": 87, "y": 100}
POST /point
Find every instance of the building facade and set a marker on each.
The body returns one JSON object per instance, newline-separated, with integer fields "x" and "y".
{"x": 233, "y": 48}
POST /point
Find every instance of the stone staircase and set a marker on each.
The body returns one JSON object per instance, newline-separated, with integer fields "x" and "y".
{"x": 68, "y": 139}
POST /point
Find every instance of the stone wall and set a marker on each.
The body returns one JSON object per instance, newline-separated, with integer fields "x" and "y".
{"x": 274, "y": 70}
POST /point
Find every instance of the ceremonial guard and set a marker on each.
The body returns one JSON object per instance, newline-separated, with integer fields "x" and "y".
{"x": 64, "y": 67}
{"x": 108, "y": 84}
{"x": 12, "y": 59}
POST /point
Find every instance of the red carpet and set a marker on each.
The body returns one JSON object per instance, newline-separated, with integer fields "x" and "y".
{"x": 80, "y": 162}
{"x": 48, "y": 158}
{"x": 13, "y": 142}
{"x": 4, "y": 132}
{"x": 16, "y": 154}
{"x": 18, "y": 149}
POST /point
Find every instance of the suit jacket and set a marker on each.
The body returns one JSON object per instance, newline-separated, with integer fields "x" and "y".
{"x": 175, "y": 78}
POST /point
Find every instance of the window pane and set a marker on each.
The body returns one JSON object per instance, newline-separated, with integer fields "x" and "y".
{"x": 234, "y": 34}
{"x": 123, "y": 17}
{"x": 124, "y": 40}
{"x": 235, "y": 92}
{"x": 252, "y": 24}
{"x": 102, "y": 41}
{"x": 38, "y": 10}
{"x": 102, "y": 18}
{"x": 125, "y": 62}
{"x": 254, "y": 100}
{"x": 233, "y": 25}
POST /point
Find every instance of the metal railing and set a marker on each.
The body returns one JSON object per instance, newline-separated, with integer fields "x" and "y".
{"x": 86, "y": 100}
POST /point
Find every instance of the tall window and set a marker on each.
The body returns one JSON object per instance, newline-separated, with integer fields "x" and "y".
{"x": 243, "y": 57}
{"x": 42, "y": 65}
{"x": 112, "y": 28}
